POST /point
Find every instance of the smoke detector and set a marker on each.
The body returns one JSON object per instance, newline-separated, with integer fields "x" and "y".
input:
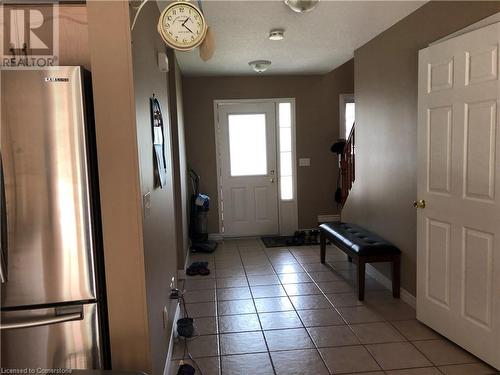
{"x": 301, "y": 6}
{"x": 260, "y": 65}
{"x": 276, "y": 34}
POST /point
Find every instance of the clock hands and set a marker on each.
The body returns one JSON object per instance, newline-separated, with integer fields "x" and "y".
{"x": 184, "y": 25}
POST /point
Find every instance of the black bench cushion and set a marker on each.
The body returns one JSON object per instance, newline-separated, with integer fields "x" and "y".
{"x": 358, "y": 239}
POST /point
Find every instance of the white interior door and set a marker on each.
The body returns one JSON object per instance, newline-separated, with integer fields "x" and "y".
{"x": 458, "y": 270}
{"x": 247, "y": 146}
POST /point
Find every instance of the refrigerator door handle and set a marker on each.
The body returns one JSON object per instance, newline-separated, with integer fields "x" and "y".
{"x": 3, "y": 226}
{"x": 42, "y": 321}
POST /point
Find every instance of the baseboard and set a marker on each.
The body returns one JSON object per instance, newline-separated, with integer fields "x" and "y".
{"x": 168, "y": 361}
{"x": 215, "y": 237}
{"x": 386, "y": 282}
{"x": 181, "y": 274}
{"x": 328, "y": 218}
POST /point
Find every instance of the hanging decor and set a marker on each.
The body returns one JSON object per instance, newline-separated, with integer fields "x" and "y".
{"x": 160, "y": 169}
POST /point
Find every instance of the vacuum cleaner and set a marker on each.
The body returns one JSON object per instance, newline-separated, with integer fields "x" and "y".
{"x": 198, "y": 220}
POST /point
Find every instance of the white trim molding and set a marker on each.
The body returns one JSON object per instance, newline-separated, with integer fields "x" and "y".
{"x": 173, "y": 334}
{"x": 387, "y": 283}
{"x": 328, "y": 218}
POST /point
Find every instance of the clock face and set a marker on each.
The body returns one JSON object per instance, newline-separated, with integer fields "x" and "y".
{"x": 182, "y": 26}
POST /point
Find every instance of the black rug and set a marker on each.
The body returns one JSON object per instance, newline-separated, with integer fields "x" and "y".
{"x": 283, "y": 241}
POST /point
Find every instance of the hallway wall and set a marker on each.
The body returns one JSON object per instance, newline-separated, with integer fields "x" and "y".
{"x": 386, "y": 76}
{"x": 159, "y": 221}
{"x": 317, "y": 127}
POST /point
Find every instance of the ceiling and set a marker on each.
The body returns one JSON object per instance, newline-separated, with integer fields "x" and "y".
{"x": 315, "y": 43}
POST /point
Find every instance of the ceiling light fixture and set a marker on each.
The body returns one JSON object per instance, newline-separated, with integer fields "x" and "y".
{"x": 277, "y": 34}
{"x": 301, "y": 6}
{"x": 260, "y": 65}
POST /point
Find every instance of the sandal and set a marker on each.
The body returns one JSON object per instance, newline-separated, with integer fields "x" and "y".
{"x": 198, "y": 268}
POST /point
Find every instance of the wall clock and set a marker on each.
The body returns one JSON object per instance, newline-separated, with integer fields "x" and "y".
{"x": 182, "y": 26}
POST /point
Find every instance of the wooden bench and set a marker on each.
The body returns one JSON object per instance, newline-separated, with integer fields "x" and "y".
{"x": 362, "y": 246}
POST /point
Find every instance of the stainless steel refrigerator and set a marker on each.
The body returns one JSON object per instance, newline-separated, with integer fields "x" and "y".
{"x": 53, "y": 311}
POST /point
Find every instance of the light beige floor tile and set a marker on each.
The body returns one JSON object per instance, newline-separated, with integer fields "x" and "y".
{"x": 414, "y": 330}
{"x": 468, "y": 369}
{"x": 339, "y": 286}
{"x": 273, "y": 304}
{"x": 341, "y": 265}
{"x": 295, "y": 278}
{"x": 317, "y": 301}
{"x": 416, "y": 371}
{"x": 230, "y": 272}
{"x": 444, "y": 352}
{"x": 208, "y": 365}
{"x": 242, "y": 343}
{"x": 238, "y": 323}
{"x": 301, "y": 289}
{"x": 347, "y": 359}
{"x": 345, "y": 299}
{"x": 192, "y": 284}
{"x": 298, "y": 362}
{"x": 205, "y": 326}
{"x": 359, "y": 314}
{"x": 399, "y": 355}
{"x": 320, "y": 317}
{"x": 263, "y": 280}
{"x": 228, "y": 294}
{"x": 396, "y": 311}
{"x": 265, "y": 291}
{"x": 340, "y": 335}
{"x": 313, "y": 267}
{"x": 259, "y": 271}
{"x": 288, "y": 339}
{"x": 324, "y": 276}
{"x": 232, "y": 282}
{"x": 288, "y": 268}
{"x": 244, "y": 306}
{"x": 374, "y": 333}
{"x": 247, "y": 364}
{"x": 280, "y": 320}
{"x": 198, "y": 310}
{"x": 201, "y": 346}
{"x": 195, "y": 296}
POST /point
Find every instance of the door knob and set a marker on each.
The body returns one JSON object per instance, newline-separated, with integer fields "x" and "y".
{"x": 272, "y": 180}
{"x": 419, "y": 204}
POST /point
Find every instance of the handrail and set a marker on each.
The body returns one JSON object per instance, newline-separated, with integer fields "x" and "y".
{"x": 347, "y": 166}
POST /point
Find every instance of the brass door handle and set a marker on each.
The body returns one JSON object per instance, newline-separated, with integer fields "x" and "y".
{"x": 419, "y": 204}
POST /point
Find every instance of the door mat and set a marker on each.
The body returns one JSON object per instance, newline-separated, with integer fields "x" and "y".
{"x": 283, "y": 241}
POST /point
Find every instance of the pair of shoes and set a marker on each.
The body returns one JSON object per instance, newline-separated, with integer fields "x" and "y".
{"x": 186, "y": 370}
{"x": 198, "y": 268}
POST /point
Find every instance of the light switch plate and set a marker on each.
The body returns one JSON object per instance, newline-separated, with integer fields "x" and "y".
{"x": 304, "y": 162}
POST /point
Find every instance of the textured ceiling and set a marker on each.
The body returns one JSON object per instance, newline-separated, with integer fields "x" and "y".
{"x": 315, "y": 42}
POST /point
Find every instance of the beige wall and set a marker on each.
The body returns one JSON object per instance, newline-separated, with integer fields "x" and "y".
{"x": 317, "y": 127}
{"x": 386, "y": 123}
{"x": 179, "y": 159}
{"x": 114, "y": 105}
{"x": 160, "y": 247}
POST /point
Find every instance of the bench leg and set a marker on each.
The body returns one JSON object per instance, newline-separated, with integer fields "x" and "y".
{"x": 396, "y": 275}
{"x": 361, "y": 279}
{"x": 322, "y": 240}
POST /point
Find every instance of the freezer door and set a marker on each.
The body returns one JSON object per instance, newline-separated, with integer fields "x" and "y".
{"x": 63, "y": 337}
{"x": 48, "y": 252}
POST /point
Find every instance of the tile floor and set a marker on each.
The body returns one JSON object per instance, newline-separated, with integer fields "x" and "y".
{"x": 279, "y": 311}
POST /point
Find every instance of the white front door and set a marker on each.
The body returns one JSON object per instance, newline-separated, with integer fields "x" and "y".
{"x": 247, "y": 147}
{"x": 458, "y": 231}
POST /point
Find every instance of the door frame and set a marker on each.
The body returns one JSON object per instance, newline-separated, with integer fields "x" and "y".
{"x": 287, "y": 209}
